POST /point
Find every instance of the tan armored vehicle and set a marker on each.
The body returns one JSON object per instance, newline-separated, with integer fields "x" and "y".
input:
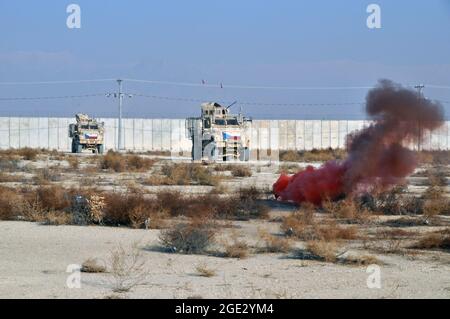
{"x": 219, "y": 135}
{"x": 86, "y": 134}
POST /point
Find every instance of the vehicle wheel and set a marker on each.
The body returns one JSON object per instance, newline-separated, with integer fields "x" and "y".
{"x": 100, "y": 148}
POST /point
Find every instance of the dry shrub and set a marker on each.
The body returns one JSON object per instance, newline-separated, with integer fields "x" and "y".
{"x": 139, "y": 163}
{"x": 55, "y": 218}
{"x": 96, "y": 208}
{"x": 120, "y": 163}
{"x": 114, "y": 161}
{"x": 324, "y": 250}
{"x": 128, "y": 209}
{"x": 53, "y": 198}
{"x": 46, "y": 175}
{"x": 73, "y": 161}
{"x": 391, "y": 242}
{"x": 289, "y": 169}
{"x": 236, "y": 249}
{"x": 435, "y": 202}
{"x": 9, "y": 178}
{"x": 274, "y": 244}
{"x": 247, "y": 204}
{"x": 314, "y": 155}
{"x": 128, "y": 268}
{"x": 302, "y": 225}
{"x": 299, "y": 224}
{"x": 243, "y": 205}
{"x": 362, "y": 260}
{"x": 434, "y": 240}
{"x": 188, "y": 238}
{"x": 434, "y": 157}
{"x": 332, "y": 231}
{"x": 93, "y": 265}
{"x": 392, "y": 202}
{"x": 241, "y": 171}
{"x": 205, "y": 271}
{"x": 187, "y": 174}
{"x": 9, "y": 164}
{"x": 395, "y": 234}
{"x": 348, "y": 210}
{"x": 10, "y": 203}
{"x": 27, "y": 153}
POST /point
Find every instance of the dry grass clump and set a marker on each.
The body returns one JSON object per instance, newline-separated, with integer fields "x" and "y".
{"x": 314, "y": 155}
{"x": 188, "y": 238}
{"x": 47, "y": 175}
{"x": 434, "y": 240}
{"x": 25, "y": 153}
{"x": 434, "y": 202}
{"x": 139, "y": 163}
{"x": 289, "y": 169}
{"x": 241, "y": 171}
{"x": 73, "y": 161}
{"x": 9, "y": 178}
{"x": 302, "y": 225}
{"x": 361, "y": 260}
{"x": 388, "y": 241}
{"x": 244, "y": 205}
{"x": 29, "y": 154}
{"x": 274, "y": 244}
{"x": 188, "y": 174}
{"x": 92, "y": 265}
{"x": 10, "y": 165}
{"x": 204, "y": 271}
{"x": 237, "y": 248}
{"x": 10, "y": 203}
{"x": 120, "y": 163}
{"x": 347, "y": 210}
{"x": 434, "y": 157}
{"x": 184, "y": 174}
{"x": 324, "y": 250}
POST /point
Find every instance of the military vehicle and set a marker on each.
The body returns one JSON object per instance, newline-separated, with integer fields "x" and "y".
{"x": 86, "y": 134}
{"x": 219, "y": 135}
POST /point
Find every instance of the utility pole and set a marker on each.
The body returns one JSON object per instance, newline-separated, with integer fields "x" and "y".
{"x": 419, "y": 89}
{"x": 120, "y": 96}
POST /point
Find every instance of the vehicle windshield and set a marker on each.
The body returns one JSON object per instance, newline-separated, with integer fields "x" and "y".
{"x": 219, "y": 122}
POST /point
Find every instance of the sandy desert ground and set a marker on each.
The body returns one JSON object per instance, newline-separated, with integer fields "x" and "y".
{"x": 35, "y": 257}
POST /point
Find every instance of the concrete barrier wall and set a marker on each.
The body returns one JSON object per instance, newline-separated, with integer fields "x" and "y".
{"x": 170, "y": 134}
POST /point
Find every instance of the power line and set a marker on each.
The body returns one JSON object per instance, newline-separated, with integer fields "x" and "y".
{"x": 184, "y": 99}
{"x": 206, "y": 85}
{"x": 243, "y": 103}
{"x": 56, "y": 82}
{"x": 222, "y": 85}
{"x": 50, "y": 97}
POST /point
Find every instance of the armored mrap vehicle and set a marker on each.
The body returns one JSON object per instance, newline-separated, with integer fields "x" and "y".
{"x": 219, "y": 135}
{"x": 86, "y": 134}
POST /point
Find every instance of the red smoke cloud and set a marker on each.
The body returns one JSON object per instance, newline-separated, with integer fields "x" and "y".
{"x": 376, "y": 155}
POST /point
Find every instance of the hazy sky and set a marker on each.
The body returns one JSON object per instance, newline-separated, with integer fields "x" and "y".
{"x": 251, "y": 42}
